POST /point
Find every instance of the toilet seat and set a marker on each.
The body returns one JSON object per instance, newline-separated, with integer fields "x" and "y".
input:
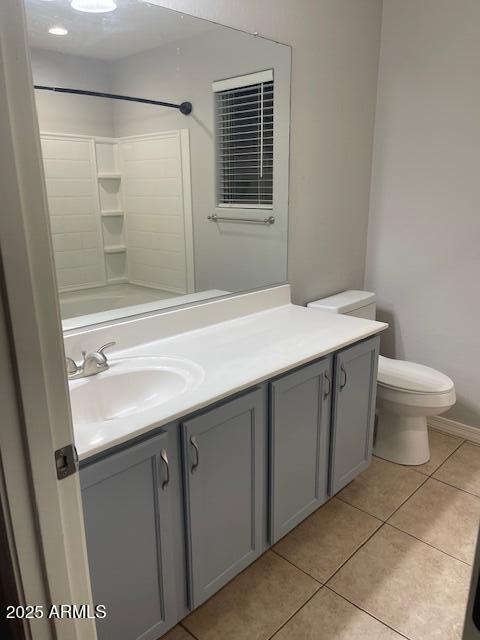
{"x": 412, "y": 378}
{"x": 431, "y": 403}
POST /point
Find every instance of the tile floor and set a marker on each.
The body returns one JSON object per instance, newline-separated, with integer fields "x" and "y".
{"x": 388, "y": 558}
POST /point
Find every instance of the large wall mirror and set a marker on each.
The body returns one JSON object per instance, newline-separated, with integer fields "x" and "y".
{"x": 151, "y": 204}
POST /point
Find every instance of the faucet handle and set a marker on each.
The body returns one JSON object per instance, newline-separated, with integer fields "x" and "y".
{"x": 106, "y": 346}
{"x": 72, "y": 366}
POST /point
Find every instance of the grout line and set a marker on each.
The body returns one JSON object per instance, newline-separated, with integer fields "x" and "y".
{"x": 412, "y": 467}
{"x": 296, "y": 566}
{"x": 448, "y": 457}
{"x": 427, "y": 477}
{"x": 383, "y": 522}
{"x": 390, "y": 524}
{"x": 180, "y": 624}
{"x": 367, "y": 513}
{"x": 354, "y": 506}
{"x": 453, "y": 486}
{"x": 407, "y": 499}
{"x": 432, "y": 476}
{"x": 462, "y": 442}
{"x": 393, "y": 512}
{"x": 295, "y": 613}
{"x": 271, "y": 549}
{"x": 339, "y": 595}
{"x": 355, "y": 552}
{"x": 428, "y": 544}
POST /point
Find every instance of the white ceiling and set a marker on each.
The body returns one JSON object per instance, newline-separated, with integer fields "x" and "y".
{"x": 135, "y": 26}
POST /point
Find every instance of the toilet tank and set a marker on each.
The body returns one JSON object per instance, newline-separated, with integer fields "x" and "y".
{"x": 352, "y": 303}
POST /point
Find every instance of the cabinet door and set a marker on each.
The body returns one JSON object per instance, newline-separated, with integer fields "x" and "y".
{"x": 127, "y": 510}
{"x": 353, "y": 412}
{"x": 225, "y": 477}
{"x": 299, "y": 442}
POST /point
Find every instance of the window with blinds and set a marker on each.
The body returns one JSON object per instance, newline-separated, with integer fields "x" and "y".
{"x": 244, "y": 133}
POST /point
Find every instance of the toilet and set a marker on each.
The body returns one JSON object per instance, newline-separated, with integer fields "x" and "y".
{"x": 407, "y": 392}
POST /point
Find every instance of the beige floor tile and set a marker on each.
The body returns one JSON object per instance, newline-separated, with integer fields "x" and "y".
{"x": 178, "y": 633}
{"x": 322, "y": 542}
{"x": 441, "y": 446}
{"x": 443, "y": 516}
{"x": 462, "y": 469}
{"x": 327, "y": 616}
{"x": 415, "y": 589}
{"x": 382, "y": 488}
{"x": 255, "y": 604}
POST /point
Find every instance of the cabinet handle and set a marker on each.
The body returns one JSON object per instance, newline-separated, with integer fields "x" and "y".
{"x": 326, "y": 393}
{"x": 342, "y": 370}
{"x": 193, "y": 442}
{"x": 164, "y": 457}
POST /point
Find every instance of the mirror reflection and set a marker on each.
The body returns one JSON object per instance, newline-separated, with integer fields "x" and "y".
{"x": 165, "y": 149}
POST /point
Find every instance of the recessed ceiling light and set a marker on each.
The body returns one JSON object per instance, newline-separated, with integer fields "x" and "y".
{"x": 94, "y": 6}
{"x": 58, "y": 31}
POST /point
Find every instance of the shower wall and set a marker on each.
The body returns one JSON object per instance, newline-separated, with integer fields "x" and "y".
{"x": 71, "y": 180}
{"x": 156, "y": 196}
{"x": 120, "y": 210}
{"x": 134, "y": 228}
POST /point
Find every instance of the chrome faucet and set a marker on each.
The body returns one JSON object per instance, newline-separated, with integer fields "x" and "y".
{"x": 92, "y": 363}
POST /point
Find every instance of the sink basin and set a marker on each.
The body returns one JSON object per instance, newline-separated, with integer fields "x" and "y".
{"x": 131, "y": 386}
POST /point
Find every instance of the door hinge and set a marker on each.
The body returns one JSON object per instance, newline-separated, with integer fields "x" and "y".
{"x": 66, "y": 461}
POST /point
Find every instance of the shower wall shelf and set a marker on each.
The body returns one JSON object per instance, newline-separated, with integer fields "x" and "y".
{"x": 109, "y": 176}
{"x": 118, "y": 248}
{"x": 112, "y": 214}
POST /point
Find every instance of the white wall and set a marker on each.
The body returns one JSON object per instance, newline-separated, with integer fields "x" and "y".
{"x": 231, "y": 257}
{"x": 63, "y": 113}
{"x": 335, "y": 46}
{"x": 424, "y": 231}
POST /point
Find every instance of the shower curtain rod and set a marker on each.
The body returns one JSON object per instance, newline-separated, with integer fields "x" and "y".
{"x": 184, "y": 107}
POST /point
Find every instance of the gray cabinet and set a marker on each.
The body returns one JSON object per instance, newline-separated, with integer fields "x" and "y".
{"x": 171, "y": 519}
{"x": 225, "y": 477}
{"x": 299, "y": 445}
{"x": 353, "y": 412}
{"x": 128, "y": 513}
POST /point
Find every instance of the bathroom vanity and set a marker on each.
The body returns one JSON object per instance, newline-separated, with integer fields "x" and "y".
{"x": 180, "y": 507}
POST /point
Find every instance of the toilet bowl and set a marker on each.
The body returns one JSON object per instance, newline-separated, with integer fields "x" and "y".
{"x": 407, "y": 392}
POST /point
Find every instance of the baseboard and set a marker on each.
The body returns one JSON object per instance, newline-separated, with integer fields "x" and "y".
{"x": 454, "y": 428}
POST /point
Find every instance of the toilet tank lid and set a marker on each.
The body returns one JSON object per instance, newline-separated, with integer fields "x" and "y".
{"x": 345, "y": 301}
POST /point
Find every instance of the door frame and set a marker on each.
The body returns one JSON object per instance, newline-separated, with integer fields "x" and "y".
{"x": 41, "y": 508}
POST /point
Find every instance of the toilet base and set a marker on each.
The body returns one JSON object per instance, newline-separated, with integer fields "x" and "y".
{"x": 402, "y": 439}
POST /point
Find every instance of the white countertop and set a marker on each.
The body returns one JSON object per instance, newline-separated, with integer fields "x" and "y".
{"x": 234, "y": 355}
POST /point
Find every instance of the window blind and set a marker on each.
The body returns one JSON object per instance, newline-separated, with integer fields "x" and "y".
{"x": 244, "y": 136}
